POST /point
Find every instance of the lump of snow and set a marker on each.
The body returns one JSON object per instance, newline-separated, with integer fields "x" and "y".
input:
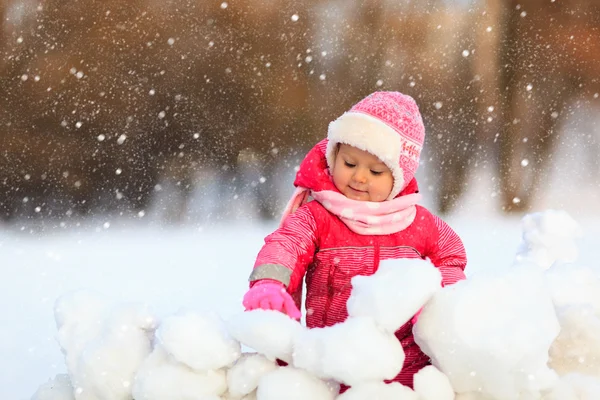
{"x": 572, "y": 285}
{"x": 379, "y": 391}
{"x": 160, "y": 377}
{"x": 351, "y": 352}
{"x": 548, "y": 237}
{"x": 577, "y": 347}
{"x": 79, "y": 319}
{"x": 108, "y": 363}
{"x": 492, "y": 333}
{"x": 200, "y": 341}
{"x": 58, "y": 388}
{"x": 269, "y": 332}
{"x": 244, "y": 375}
{"x": 575, "y": 292}
{"x": 431, "y": 384}
{"x": 293, "y": 384}
{"x": 395, "y": 292}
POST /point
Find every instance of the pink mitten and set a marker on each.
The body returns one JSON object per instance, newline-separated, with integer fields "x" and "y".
{"x": 268, "y": 294}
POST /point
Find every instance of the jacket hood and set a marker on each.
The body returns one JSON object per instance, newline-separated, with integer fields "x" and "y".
{"x": 314, "y": 173}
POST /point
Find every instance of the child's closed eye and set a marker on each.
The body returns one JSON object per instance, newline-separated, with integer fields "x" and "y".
{"x": 350, "y": 165}
{"x": 376, "y": 173}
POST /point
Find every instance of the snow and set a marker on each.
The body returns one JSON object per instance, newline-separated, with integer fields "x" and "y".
{"x": 548, "y": 237}
{"x": 294, "y": 384}
{"x": 171, "y": 268}
{"x": 491, "y": 333}
{"x": 200, "y": 341}
{"x": 342, "y": 351}
{"x": 162, "y": 377}
{"x": 431, "y": 384}
{"x": 391, "y": 306}
{"x": 243, "y": 377}
{"x": 103, "y": 362}
{"x": 57, "y": 388}
{"x": 269, "y": 332}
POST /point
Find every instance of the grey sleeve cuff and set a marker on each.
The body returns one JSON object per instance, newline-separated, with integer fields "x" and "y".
{"x": 272, "y": 271}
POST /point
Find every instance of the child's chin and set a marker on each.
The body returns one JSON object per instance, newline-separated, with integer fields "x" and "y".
{"x": 358, "y": 196}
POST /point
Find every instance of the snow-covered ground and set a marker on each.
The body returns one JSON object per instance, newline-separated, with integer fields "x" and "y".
{"x": 168, "y": 268}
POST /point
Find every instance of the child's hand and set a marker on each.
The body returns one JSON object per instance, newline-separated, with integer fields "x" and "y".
{"x": 269, "y": 294}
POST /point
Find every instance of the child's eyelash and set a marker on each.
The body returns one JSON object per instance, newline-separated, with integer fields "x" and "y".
{"x": 376, "y": 172}
{"x": 349, "y": 164}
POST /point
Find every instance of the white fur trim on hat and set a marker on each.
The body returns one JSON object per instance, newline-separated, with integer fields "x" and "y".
{"x": 369, "y": 134}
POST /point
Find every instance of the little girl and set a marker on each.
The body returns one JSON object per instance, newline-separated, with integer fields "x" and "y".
{"x": 364, "y": 210}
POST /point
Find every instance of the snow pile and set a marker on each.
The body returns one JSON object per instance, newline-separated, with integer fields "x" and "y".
{"x": 359, "y": 351}
{"x": 576, "y": 294}
{"x": 59, "y": 388}
{"x": 378, "y": 296}
{"x": 189, "y": 359}
{"x": 548, "y": 237}
{"x": 200, "y": 341}
{"x": 341, "y": 352}
{"x": 104, "y": 345}
{"x": 530, "y": 331}
{"x": 243, "y": 377}
{"x": 269, "y": 332}
{"x": 491, "y": 334}
{"x": 431, "y": 384}
{"x": 193, "y": 355}
{"x": 526, "y": 332}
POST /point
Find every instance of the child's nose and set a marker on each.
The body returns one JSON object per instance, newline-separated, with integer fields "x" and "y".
{"x": 360, "y": 176}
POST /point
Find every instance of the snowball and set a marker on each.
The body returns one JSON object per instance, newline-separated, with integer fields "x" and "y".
{"x": 431, "y": 384}
{"x": 577, "y": 347}
{"x": 200, "y": 341}
{"x": 292, "y": 384}
{"x": 548, "y": 237}
{"x": 492, "y": 333}
{"x": 351, "y": 352}
{"x": 160, "y": 377}
{"x": 243, "y": 377}
{"x": 79, "y": 319}
{"x": 572, "y": 285}
{"x": 107, "y": 365}
{"x": 379, "y": 391}
{"x": 268, "y": 332}
{"x": 58, "y": 388}
{"x": 395, "y": 292}
{"x": 80, "y": 306}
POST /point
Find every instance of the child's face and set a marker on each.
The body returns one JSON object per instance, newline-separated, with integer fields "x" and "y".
{"x": 360, "y": 175}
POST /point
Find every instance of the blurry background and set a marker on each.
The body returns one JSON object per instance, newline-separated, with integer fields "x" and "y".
{"x": 192, "y": 110}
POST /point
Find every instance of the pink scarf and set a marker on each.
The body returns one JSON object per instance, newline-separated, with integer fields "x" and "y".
{"x": 362, "y": 217}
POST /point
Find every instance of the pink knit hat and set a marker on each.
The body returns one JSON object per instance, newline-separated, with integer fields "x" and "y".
{"x": 387, "y": 125}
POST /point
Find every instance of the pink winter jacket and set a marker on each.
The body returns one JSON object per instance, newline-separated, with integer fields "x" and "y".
{"x": 313, "y": 243}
